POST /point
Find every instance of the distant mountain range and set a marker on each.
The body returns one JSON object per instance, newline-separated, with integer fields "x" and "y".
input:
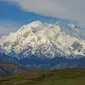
{"x": 44, "y": 45}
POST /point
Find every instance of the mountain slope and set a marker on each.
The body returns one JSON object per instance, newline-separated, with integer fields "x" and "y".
{"x": 13, "y": 68}
{"x": 8, "y": 67}
{"x": 70, "y": 64}
{"x": 4, "y": 72}
{"x": 43, "y": 39}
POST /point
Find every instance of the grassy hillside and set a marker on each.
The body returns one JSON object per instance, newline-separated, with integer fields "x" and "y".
{"x": 52, "y": 77}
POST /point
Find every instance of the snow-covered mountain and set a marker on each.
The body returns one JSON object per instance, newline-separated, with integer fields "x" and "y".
{"x": 45, "y": 40}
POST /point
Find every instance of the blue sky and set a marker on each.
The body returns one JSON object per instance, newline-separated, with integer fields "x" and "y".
{"x": 12, "y": 18}
{"x": 15, "y": 13}
{"x": 12, "y": 12}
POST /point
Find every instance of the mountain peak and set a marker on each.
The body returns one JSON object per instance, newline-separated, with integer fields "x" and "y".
{"x": 71, "y": 25}
{"x": 34, "y": 23}
{"x": 44, "y": 39}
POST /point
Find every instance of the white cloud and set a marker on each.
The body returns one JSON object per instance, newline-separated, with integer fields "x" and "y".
{"x": 68, "y": 9}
